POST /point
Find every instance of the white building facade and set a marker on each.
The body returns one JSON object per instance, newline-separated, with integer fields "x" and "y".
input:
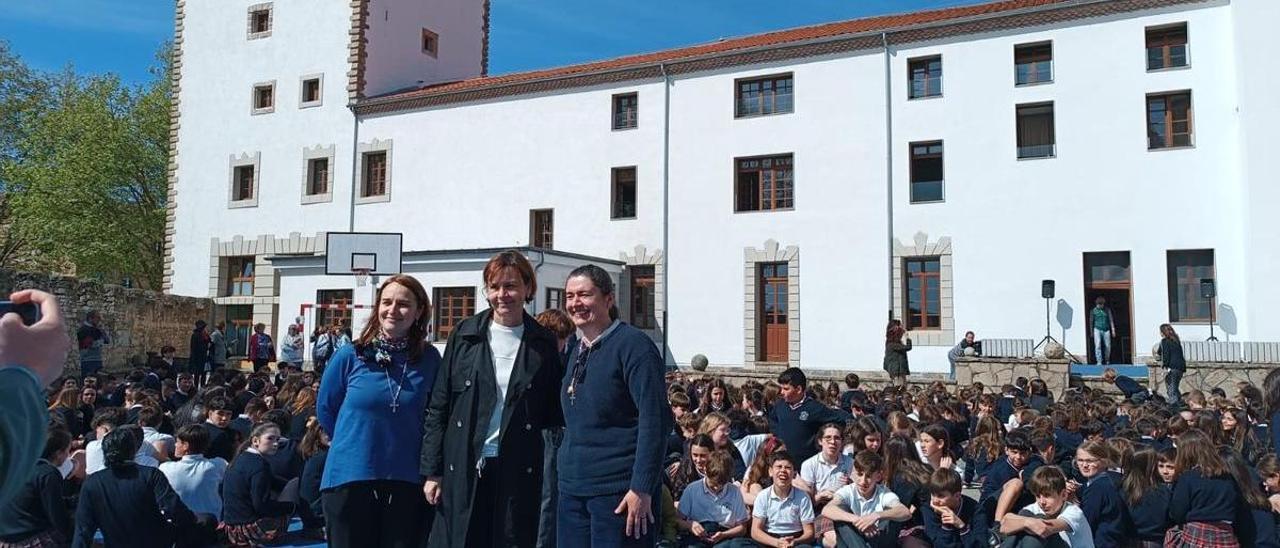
{"x": 933, "y": 167}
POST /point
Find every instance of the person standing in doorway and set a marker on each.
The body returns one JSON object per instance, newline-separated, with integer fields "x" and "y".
{"x": 262, "y": 350}
{"x": 1174, "y": 363}
{"x": 895, "y": 353}
{"x": 483, "y": 449}
{"x": 1103, "y": 323}
{"x": 91, "y": 338}
{"x": 217, "y": 349}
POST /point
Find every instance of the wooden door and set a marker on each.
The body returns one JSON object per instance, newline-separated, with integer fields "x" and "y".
{"x": 771, "y": 300}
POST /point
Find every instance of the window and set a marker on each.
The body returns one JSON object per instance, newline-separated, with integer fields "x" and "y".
{"x": 374, "y": 176}
{"x": 764, "y": 183}
{"x": 1186, "y": 269}
{"x": 1167, "y": 46}
{"x": 924, "y": 303}
{"x": 453, "y": 304}
{"x": 925, "y": 75}
{"x": 626, "y": 108}
{"x": 1169, "y": 120}
{"x": 333, "y": 307}
{"x": 240, "y": 276}
{"x": 317, "y": 176}
{"x": 1033, "y": 63}
{"x": 1035, "y": 131}
{"x": 430, "y": 42}
{"x": 926, "y": 172}
{"x": 624, "y": 193}
{"x": 541, "y": 228}
{"x": 259, "y": 21}
{"x": 264, "y": 98}
{"x": 243, "y": 183}
{"x": 642, "y": 297}
{"x": 310, "y": 92}
{"x": 761, "y": 96}
{"x": 555, "y": 298}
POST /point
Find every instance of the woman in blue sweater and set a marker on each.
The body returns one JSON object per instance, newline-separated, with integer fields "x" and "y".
{"x": 1100, "y": 496}
{"x": 371, "y": 403}
{"x": 1205, "y": 496}
{"x": 249, "y": 514}
{"x": 614, "y": 391}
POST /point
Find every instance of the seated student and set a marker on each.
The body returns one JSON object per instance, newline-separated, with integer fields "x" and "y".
{"x": 1255, "y": 524}
{"x": 692, "y": 466}
{"x": 254, "y": 408}
{"x": 315, "y": 449}
{"x": 1269, "y": 471}
{"x": 105, "y": 422}
{"x": 986, "y": 448}
{"x": 195, "y": 478}
{"x": 863, "y": 509}
{"x": 1205, "y": 498}
{"x": 249, "y": 515}
{"x": 1147, "y": 498}
{"x": 1007, "y": 402}
{"x": 1042, "y": 444}
{"x": 827, "y": 471}
{"x": 852, "y": 383}
{"x": 711, "y": 511}
{"x": 222, "y": 439}
{"x": 782, "y": 515}
{"x": 38, "y": 515}
{"x": 131, "y": 505}
{"x": 1126, "y": 385}
{"x": 686, "y": 426}
{"x": 1100, "y": 498}
{"x": 949, "y": 520}
{"x": 1051, "y": 520}
{"x": 1002, "y": 489}
{"x": 1152, "y": 432}
{"x": 286, "y": 463}
{"x": 150, "y": 418}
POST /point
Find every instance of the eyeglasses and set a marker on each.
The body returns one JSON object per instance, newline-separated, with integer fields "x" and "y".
{"x": 831, "y": 438}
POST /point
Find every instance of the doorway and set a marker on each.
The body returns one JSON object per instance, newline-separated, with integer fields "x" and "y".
{"x": 772, "y": 312}
{"x": 1108, "y": 275}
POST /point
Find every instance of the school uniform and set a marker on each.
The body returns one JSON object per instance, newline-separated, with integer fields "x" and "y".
{"x": 999, "y": 474}
{"x": 848, "y": 498}
{"x": 798, "y": 425}
{"x": 1150, "y": 515}
{"x": 974, "y": 534}
{"x": 1257, "y": 527}
{"x": 38, "y": 512}
{"x": 310, "y": 508}
{"x": 724, "y": 509}
{"x": 1077, "y": 535}
{"x": 197, "y": 480}
{"x": 132, "y": 506}
{"x": 222, "y": 442}
{"x": 1102, "y": 506}
{"x": 824, "y": 476}
{"x": 249, "y": 514}
{"x": 1131, "y": 389}
{"x": 1204, "y": 507}
{"x": 976, "y": 467}
{"x": 783, "y": 515}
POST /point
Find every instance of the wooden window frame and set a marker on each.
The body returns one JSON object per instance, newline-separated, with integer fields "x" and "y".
{"x": 235, "y": 276}
{"x": 1176, "y": 258}
{"x": 430, "y": 42}
{"x": 1031, "y": 56}
{"x": 316, "y": 80}
{"x": 921, "y": 64}
{"x": 1168, "y": 121}
{"x": 313, "y": 173}
{"x": 911, "y": 170}
{"x": 554, "y": 295}
{"x": 328, "y": 316}
{"x": 1166, "y": 38}
{"x": 617, "y": 193}
{"x": 782, "y": 197}
{"x": 626, "y": 116}
{"x": 1031, "y": 152}
{"x": 256, "y": 96}
{"x": 239, "y": 192}
{"x": 920, "y": 322}
{"x": 263, "y": 13}
{"x": 373, "y": 181}
{"x": 447, "y": 301}
{"x": 643, "y": 312}
{"x": 542, "y": 237}
{"x": 768, "y": 101}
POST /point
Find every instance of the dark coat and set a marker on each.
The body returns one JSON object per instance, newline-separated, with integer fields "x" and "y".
{"x": 457, "y": 423}
{"x": 895, "y": 358}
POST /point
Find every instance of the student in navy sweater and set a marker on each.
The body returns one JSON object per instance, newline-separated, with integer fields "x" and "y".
{"x": 249, "y": 514}
{"x": 796, "y": 418}
{"x": 131, "y": 505}
{"x": 1003, "y": 489}
{"x": 372, "y": 401}
{"x": 950, "y": 519}
{"x": 222, "y": 439}
{"x": 1271, "y": 391}
{"x": 1147, "y": 497}
{"x": 315, "y": 449}
{"x": 1205, "y": 499}
{"x": 1255, "y": 523}
{"x": 1100, "y": 496}
{"x": 38, "y": 516}
{"x": 614, "y": 391}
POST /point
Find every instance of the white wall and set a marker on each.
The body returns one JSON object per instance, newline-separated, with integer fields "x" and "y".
{"x": 395, "y": 57}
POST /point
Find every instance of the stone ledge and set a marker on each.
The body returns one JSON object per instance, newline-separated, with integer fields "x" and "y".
{"x": 994, "y": 372}
{"x": 1206, "y": 376}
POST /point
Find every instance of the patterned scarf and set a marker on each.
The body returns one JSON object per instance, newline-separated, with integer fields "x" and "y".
{"x": 381, "y": 350}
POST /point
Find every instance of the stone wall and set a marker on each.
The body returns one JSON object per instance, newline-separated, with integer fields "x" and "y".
{"x": 138, "y": 321}
{"x": 994, "y": 372}
{"x": 1205, "y": 376}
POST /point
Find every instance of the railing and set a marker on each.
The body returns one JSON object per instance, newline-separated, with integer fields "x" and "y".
{"x": 1261, "y": 352}
{"x": 1008, "y": 348}
{"x": 1211, "y": 351}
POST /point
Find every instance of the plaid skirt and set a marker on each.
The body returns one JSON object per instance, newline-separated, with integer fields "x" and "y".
{"x": 1202, "y": 534}
{"x": 47, "y": 539}
{"x": 254, "y": 534}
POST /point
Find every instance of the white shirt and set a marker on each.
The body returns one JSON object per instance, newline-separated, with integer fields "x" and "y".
{"x": 747, "y": 447}
{"x": 783, "y": 515}
{"x": 850, "y": 500}
{"x": 504, "y": 345}
{"x": 698, "y": 503}
{"x": 150, "y": 436}
{"x": 1078, "y": 533}
{"x": 197, "y": 480}
{"x": 824, "y": 476}
{"x": 95, "y": 461}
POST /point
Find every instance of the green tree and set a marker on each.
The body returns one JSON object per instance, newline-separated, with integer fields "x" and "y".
{"x": 85, "y": 178}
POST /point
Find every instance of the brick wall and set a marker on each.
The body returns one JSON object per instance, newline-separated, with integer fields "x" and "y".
{"x": 138, "y": 321}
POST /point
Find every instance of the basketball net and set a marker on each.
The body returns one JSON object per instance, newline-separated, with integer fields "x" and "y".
{"x": 362, "y": 277}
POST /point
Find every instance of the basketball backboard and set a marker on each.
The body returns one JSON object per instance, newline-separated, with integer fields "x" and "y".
{"x": 376, "y": 252}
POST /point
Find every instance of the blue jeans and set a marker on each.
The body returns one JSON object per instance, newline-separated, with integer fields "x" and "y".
{"x": 1102, "y": 345}
{"x": 590, "y": 522}
{"x": 551, "y": 440}
{"x": 1173, "y": 390}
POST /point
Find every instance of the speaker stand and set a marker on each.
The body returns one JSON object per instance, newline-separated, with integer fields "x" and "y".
{"x": 1048, "y": 336}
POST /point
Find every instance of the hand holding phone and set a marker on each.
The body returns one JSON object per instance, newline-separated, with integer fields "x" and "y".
{"x": 40, "y": 346}
{"x": 28, "y": 311}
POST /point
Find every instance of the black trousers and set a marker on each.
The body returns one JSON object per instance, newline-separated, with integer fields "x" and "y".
{"x": 382, "y": 514}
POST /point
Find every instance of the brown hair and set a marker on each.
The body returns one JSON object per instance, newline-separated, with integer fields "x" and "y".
{"x": 417, "y": 331}
{"x": 945, "y": 481}
{"x": 313, "y": 441}
{"x": 679, "y": 399}
{"x": 1195, "y": 450}
{"x": 711, "y": 422}
{"x": 689, "y": 421}
{"x": 557, "y": 321}
{"x": 1100, "y": 450}
{"x": 867, "y": 462}
{"x": 304, "y": 399}
{"x": 68, "y": 398}
{"x": 1047, "y": 480}
{"x": 512, "y": 259}
{"x": 720, "y": 467}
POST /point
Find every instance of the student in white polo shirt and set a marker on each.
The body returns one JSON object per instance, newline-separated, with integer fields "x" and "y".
{"x": 825, "y": 473}
{"x": 863, "y": 509}
{"x": 711, "y": 511}
{"x": 782, "y": 515}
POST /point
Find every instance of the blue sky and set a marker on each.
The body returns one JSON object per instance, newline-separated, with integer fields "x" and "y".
{"x": 121, "y": 36}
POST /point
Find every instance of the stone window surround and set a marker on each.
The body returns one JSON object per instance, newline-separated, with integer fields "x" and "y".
{"x": 752, "y": 257}
{"x": 265, "y": 299}
{"x": 642, "y": 256}
{"x": 302, "y": 91}
{"x": 271, "y": 16}
{"x": 435, "y": 41}
{"x": 921, "y": 246}
{"x": 253, "y": 98}
{"x": 315, "y": 153}
{"x": 246, "y": 159}
{"x": 376, "y": 145}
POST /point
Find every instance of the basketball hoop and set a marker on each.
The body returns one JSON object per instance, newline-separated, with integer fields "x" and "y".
{"x": 362, "y": 276}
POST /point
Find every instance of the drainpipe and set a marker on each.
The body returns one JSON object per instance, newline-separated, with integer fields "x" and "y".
{"x": 666, "y": 208}
{"x": 888, "y": 160}
{"x": 355, "y": 166}
{"x": 542, "y": 259}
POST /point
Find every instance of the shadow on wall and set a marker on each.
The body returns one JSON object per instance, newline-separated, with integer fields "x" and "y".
{"x": 1065, "y": 316}
{"x": 1227, "y": 320}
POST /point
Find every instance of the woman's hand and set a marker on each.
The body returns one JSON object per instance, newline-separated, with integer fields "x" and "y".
{"x": 431, "y": 489}
{"x": 638, "y": 508}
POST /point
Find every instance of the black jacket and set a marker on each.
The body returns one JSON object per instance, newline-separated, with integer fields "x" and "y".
{"x": 1171, "y": 355}
{"x": 37, "y": 508}
{"x": 457, "y": 423}
{"x": 132, "y": 505}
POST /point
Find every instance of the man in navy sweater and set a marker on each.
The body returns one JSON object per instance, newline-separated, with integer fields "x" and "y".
{"x": 796, "y": 418}
{"x": 616, "y": 420}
